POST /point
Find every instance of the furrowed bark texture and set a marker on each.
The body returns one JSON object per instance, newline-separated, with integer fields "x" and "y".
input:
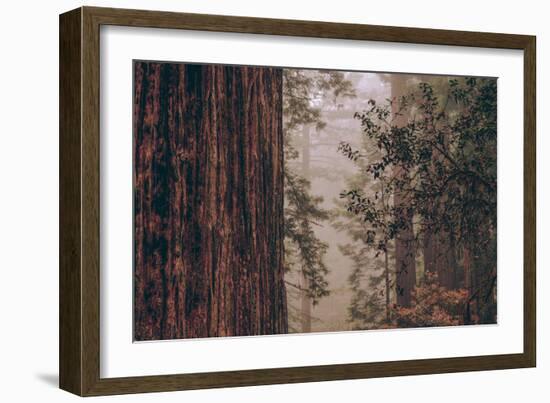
{"x": 208, "y": 201}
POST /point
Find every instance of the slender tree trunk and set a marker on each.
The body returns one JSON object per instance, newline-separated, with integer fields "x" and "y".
{"x": 387, "y": 278}
{"x": 305, "y": 300}
{"x": 428, "y": 250}
{"x": 405, "y": 264}
{"x": 467, "y": 264}
{"x": 208, "y": 201}
{"x": 454, "y": 275}
{"x": 438, "y": 245}
{"x": 439, "y": 251}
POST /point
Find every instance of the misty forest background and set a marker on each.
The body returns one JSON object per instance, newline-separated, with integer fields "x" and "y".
{"x": 390, "y": 200}
{"x": 272, "y": 201}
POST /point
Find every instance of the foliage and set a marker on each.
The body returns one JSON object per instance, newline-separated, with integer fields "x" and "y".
{"x": 366, "y": 309}
{"x": 303, "y": 93}
{"x": 437, "y": 148}
{"x": 433, "y": 305}
{"x": 302, "y": 211}
{"x": 450, "y": 159}
{"x": 371, "y": 278}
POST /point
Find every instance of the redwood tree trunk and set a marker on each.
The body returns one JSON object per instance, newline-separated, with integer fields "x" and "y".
{"x": 439, "y": 245}
{"x": 439, "y": 257}
{"x": 467, "y": 262}
{"x": 405, "y": 263}
{"x": 208, "y": 201}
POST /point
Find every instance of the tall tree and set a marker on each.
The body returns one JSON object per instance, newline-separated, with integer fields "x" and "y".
{"x": 405, "y": 246}
{"x": 208, "y": 201}
{"x": 450, "y": 158}
{"x": 371, "y": 279}
{"x": 304, "y": 282}
{"x": 438, "y": 243}
{"x": 303, "y": 93}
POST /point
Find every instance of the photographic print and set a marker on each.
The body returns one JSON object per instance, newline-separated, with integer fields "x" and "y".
{"x": 273, "y": 200}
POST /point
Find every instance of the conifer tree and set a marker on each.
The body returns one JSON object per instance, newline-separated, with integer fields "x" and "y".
{"x": 304, "y": 91}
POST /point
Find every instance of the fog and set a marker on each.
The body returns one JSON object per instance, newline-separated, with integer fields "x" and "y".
{"x": 329, "y": 171}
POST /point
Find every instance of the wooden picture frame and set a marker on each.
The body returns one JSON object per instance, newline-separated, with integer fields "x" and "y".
{"x": 79, "y": 347}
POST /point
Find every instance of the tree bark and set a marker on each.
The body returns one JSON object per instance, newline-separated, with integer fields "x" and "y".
{"x": 387, "y": 284}
{"x": 439, "y": 246}
{"x": 467, "y": 264}
{"x": 439, "y": 257}
{"x": 405, "y": 263}
{"x": 387, "y": 281}
{"x": 208, "y": 201}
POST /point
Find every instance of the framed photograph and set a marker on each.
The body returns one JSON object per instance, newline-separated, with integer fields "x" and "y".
{"x": 249, "y": 201}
